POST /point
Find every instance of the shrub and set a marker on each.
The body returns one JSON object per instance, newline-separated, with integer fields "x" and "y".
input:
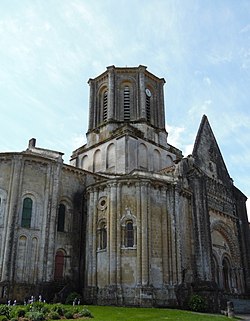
{"x": 5, "y": 310}
{"x": 71, "y": 297}
{"x": 17, "y": 312}
{"x": 45, "y": 309}
{"x": 197, "y": 303}
{"x": 37, "y": 306}
{"x": 53, "y": 315}
{"x": 68, "y": 315}
{"x": 13, "y": 319}
{"x": 35, "y": 316}
{"x": 3, "y": 318}
{"x": 58, "y": 308}
{"x": 85, "y": 313}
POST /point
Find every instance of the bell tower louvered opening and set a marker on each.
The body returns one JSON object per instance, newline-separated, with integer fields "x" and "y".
{"x": 105, "y": 106}
{"x": 126, "y": 97}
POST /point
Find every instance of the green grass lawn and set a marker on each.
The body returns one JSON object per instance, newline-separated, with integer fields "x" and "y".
{"x": 104, "y": 313}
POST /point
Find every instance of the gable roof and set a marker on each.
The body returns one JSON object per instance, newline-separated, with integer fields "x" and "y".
{"x": 207, "y": 155}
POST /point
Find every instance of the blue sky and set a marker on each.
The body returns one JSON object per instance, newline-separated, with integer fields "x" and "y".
{"x": 49, "y": 49}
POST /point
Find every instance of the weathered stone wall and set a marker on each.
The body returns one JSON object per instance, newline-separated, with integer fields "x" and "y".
{"x": 27, "y": 255}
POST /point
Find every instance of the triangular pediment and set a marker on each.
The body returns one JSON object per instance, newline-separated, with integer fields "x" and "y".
{"x": 207, "y": 154}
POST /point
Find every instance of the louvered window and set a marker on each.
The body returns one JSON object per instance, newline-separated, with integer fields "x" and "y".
{"x": 148, "y": 108}
{"x": 126, "y": 97}
{"x": 105, "y": 106}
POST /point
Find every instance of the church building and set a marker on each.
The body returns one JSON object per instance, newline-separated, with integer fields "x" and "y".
{"x": 130, "y": 221}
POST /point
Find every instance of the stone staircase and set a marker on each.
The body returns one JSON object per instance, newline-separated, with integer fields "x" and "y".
{"x": 241, "y": 306}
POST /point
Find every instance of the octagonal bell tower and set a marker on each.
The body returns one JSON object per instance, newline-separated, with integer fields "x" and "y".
{"x": 126, "y": 128}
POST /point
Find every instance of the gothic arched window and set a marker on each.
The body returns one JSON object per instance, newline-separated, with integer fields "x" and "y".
{"x": 61, "y": 218}
{"x": 26, "y": 212}
{"x": 126, "y": 103}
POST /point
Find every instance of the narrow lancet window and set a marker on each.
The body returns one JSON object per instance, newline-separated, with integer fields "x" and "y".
{"x": 27, "y": 212}
{"x": 129, "y": 234}
{"x": 61, "y": 218}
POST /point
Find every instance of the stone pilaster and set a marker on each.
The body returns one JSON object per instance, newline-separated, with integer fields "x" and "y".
{"x": 92, "y": 109}
{"x": 111, "y": 93}
{"x": 144, "y": 234}
{"x": 112, "y": 233}
{"x": 139, "y": 235}
{"x": 94, "y": 239}
{"x": 165, "y": 250}
{"x": 11, "y": 213}
{"x": 89, "y": 243}
{"x": 51, "y": 225}
{"x": 142, "y": 97}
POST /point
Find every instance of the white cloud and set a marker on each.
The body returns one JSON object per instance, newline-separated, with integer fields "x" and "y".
{"x": 245, "y": 58}
{"x": 174, "y": 134}
{"x": 78, "y": 141}
{"x": 198, "y": 109}
{"x": 188, "y": 149}
{"x": 245, "y": 29}
{"x": 207, "y": 81}
{"x": 219, "y": 57}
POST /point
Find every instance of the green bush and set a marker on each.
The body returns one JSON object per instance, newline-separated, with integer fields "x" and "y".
{"x": 13, "y": 319}
{"x": 58, "y": 308}
{"x": 35, "y": 316}
{"x": 68, "y": 315}
{"x": 53, "y": 315}
{"x": 85, "y": 313}
{"x": 5, "y": 310}
{"x": 3, "y": 318}
{"x": 197, "y": 303}
{"x": 37, "y": 306}
{"x": 17, "y": 312}
{"x": 45, "y": 309}
{"x": 71, "y": 297}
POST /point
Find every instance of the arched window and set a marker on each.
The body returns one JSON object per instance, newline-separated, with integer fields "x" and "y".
{"x": 128, "y": 230}
{"x": 169, "y": 161}
{"x": 59, "y": 265}
{"x": 61, "y": 218}
{"x": 21, "y": 260}
{"x": 226, "y": 274}
{"x": 156, "y": 160}
{"x": 97, "y": 161}
{"x": 126, "y": 103}
{"x": 143, "y": 157}
{"x": 129, "y": 234}
{"x": 84, "y": 162}
{"x": 26, "y": 212}
{"x": 111, "y": 157}
{"x": 105, "y": 105}
{"x": 102, "y": 236}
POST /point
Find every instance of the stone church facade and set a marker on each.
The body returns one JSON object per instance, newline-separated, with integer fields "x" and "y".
{"x": 130, "y": 221}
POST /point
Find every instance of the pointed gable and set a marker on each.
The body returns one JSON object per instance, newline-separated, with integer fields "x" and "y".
{"x": 207, "y": 154}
